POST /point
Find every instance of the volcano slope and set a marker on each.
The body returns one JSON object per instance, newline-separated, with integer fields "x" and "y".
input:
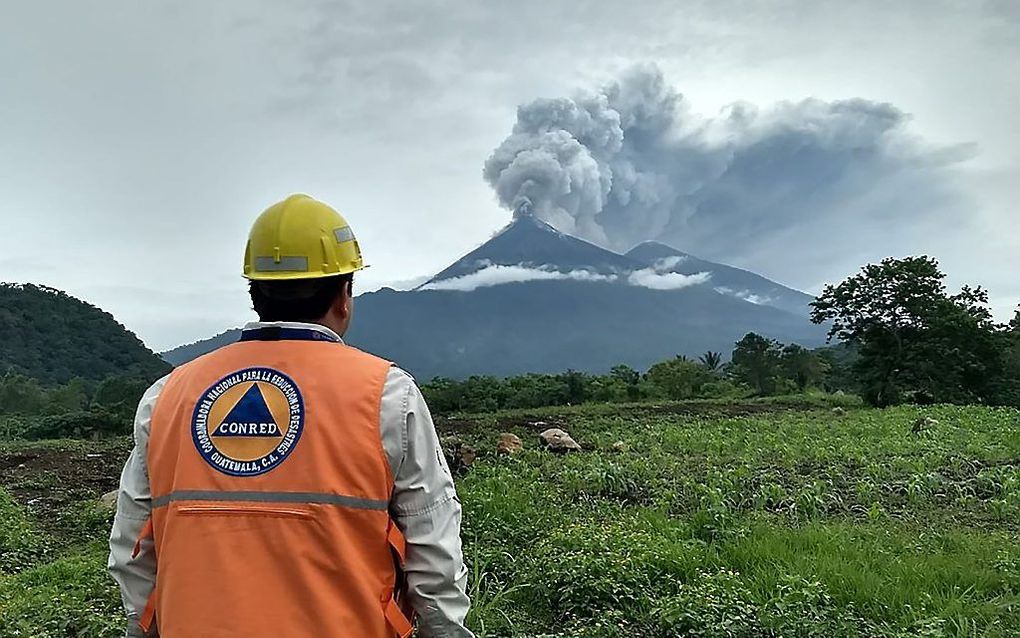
{"x": 533, "y": 299}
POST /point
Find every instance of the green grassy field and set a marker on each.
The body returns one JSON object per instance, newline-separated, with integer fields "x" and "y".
{"x": 701, "y": 519}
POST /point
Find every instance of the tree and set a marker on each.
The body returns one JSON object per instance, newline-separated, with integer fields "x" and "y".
{"x": 576, "y": 385}
{"x": 71, "y": 397}
{"x": 119, "y": 395}
{"x": 20, "y": 394}
{"x": 802, "y": 366}
{"x": 711, "y": 360}
{"x": 756, "y": 362}
{"x": 629, "y": 378}
{"x": 916, "y": 342}
{"x": 1008, "y": 390}
{"x": 443, "y": 395}
{"x": 678, "y": 379}
{"x": 53, "y": 337}
{"x": 840, "y": 360}
{"x": 481, "y": 394}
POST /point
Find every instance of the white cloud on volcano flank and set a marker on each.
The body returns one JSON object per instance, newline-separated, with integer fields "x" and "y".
{"x": 495, "y": 275}
{"x": 659, "y": 276}
{"x": 656, "y": 277}
{"x": 648, "y": 278}
{"x": 746, "y": 295}
{"x": 630, "y": 162}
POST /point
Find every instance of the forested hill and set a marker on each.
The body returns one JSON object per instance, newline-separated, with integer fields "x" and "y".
{"x": 189, "y": 351}
{"x": 51, "y": 336}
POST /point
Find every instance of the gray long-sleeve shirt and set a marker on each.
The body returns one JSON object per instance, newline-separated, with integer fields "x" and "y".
{"x": 424, "y": 505}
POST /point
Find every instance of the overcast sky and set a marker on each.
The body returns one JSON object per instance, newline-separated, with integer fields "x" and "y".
{"x": 138, "y": 140}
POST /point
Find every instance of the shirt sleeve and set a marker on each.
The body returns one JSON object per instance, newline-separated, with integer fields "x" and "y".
{"x": 136, "y": 575}
{"x": 425, "y": 507}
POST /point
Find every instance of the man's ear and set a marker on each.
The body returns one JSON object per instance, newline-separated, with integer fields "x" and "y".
{"x": 343, "y": 299}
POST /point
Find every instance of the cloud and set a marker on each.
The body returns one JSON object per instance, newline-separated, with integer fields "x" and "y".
{"x": 648, "y": 278}
{"x": 630, "y": 162}
{"x": 659, "y": 277}
{"x": 746, "y": 295}
{"x": 495, "y": 275}
{"x": 668, "y": 263}
{"x": 387, "y": 110}
{"x": 656, "y": 277}
{"x": 395, "y": 284}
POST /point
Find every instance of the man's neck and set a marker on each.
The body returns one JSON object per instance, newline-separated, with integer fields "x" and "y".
{"x": 336, "y": 326}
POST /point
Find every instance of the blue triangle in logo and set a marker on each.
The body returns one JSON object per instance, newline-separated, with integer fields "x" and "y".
{"x": 250, "y": 417}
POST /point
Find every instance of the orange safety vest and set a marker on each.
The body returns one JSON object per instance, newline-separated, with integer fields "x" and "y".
{"x": 270, "y": 495}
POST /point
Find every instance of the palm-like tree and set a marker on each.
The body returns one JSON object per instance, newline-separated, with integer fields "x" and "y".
{"x": 711, "y": 360}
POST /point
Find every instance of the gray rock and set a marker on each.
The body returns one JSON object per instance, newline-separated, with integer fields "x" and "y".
{"x": 109, "y": 500}
{"x": 558, "y": 440}
{"x": 450, "y": 442}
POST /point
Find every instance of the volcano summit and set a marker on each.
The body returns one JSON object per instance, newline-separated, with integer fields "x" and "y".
{"x": 534, "y": 299}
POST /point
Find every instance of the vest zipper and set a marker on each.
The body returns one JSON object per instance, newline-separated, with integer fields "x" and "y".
{"x": 238, "y": 510}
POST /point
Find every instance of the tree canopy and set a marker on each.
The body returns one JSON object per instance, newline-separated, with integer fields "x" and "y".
{"x": 915, "y": 341}
{"x": 52, "y": 337}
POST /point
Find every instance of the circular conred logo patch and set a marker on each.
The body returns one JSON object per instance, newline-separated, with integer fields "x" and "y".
{"x": 248, "y": 422}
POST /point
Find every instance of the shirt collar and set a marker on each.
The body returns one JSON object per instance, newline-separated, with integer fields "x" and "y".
{"x": 297, "y": 325}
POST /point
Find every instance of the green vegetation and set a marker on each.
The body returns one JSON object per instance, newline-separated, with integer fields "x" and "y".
{"x": 75, "y": 410}
{"x": 798, "y": 523}
{"x": 916, "y": 342}
{"x": 50, "y": 336}
{"x": 67, "y": 369}
{"x": 713, "y": 499}
{"x": 771, "y": 517}
{"x": 760, "y": 367}
{"x": 902, "y": 339}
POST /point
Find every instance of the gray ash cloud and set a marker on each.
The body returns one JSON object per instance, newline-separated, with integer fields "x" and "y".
{"x": 630, "y": 162}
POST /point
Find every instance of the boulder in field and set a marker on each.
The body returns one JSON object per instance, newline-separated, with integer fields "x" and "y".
{"x": 109, "y": 500}
{"x": 509, "y": 443}
{"x": 467, "y": 455}
{"x": 459, "y": 456}
{"x": 558, "y": 440}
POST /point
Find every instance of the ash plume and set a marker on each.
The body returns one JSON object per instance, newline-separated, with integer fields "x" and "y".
{"x": 630, "y": 162}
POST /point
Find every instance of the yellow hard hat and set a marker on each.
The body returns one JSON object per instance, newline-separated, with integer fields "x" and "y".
{"x": 300, "y": 238}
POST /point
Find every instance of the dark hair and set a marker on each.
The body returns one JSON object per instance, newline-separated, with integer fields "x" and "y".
{"x": 305, "y": 300}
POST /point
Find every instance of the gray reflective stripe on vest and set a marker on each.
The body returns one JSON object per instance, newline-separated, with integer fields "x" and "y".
{"x": 317, "y": 498}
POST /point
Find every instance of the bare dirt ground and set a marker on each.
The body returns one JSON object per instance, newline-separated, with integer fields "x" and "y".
{"x": 49, "y": 478}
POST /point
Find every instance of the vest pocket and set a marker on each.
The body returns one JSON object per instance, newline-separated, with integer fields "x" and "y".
{"x": 244, "y": 510}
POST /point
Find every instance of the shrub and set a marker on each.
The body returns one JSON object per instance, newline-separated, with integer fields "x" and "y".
{"x": 72, "y": 596}
{"x": 20, "y": 545}
{"x": 85, "y": 424}
{"x": 722, "y": 605}
{"x": 679, "y": 379}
